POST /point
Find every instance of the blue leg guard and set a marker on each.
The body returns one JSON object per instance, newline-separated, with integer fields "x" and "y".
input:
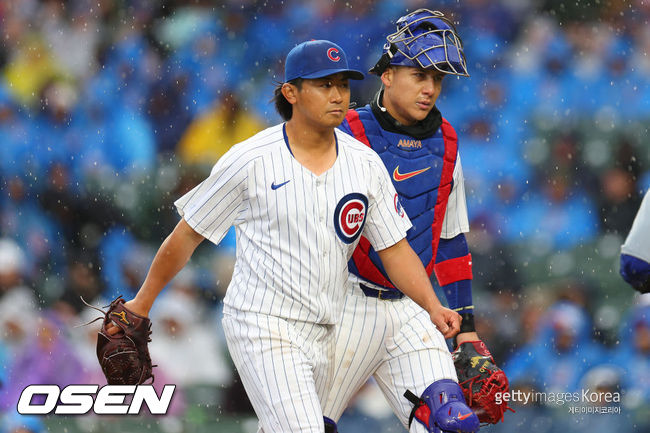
{"x": 442, "y": 408}
{"x": 330, "y": 425}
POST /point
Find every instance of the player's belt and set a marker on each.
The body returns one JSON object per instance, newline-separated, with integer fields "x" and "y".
{"x": 381, "y": 294}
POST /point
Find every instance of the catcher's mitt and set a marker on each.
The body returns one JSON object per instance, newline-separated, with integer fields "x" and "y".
{"x": 124, "y": 356}
{"x": 481, "y": 380}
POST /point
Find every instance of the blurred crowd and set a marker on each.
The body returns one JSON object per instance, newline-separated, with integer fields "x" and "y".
{"x": 111, "y": 109}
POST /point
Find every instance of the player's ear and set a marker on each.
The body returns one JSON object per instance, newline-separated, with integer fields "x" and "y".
{"x": 387, "y": 76}
{"x": 289, "y": 91}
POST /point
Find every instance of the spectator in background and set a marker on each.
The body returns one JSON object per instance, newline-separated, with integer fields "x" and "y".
{"x": 45, "y": 358}
{"x": 12, "y": 266}
{"x": 210, "y": 135}
{"x": 561, "y": 353}
{"x": 124, "y": 261}
{"x": 22, "y": 219}
{"x": 554, "y": 216}
{"x": 633, "y": 354}
{"x": 618, "y": 197}
{"x": 53, "y": 136}
{"x": 67, "y": 202}
{"x": 169, "y": 121}
{"x": 208, "y": 55}
{"x": 14, "y": 134}
{"x": 82, "y": 280}
{"x": 83, "y": 340}
{"x": 31, "y": 67}
{"x": 73, "y": 35}
{"x": 130, "y": 146}
{"x": 18, "y": 305}
{"x": 185, "y": 338}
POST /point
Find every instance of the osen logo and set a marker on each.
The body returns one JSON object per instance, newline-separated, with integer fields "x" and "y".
{"x": 81, "y": 399}
{"x": 350, "y": 216}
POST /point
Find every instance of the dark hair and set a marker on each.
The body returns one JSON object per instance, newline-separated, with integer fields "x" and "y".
{"x": 282, "y": 106}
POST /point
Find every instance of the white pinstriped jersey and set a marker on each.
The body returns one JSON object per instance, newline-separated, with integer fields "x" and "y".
{"x": 295, "y": 230}
{"x": 456, "y": 220}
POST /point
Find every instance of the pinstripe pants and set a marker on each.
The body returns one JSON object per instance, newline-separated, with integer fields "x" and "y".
{"x": 285, "y": 367}
{"x": 395, "y": 342}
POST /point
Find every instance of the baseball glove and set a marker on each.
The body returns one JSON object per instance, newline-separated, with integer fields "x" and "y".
{"x": 481, "y": 380}
{"x": 124, "y": 356}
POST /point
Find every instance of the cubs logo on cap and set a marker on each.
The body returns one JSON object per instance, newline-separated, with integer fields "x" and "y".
{"x": 350, "y": 216}
{"x": 333, "y": 54}
{"x": 317, "y": 59}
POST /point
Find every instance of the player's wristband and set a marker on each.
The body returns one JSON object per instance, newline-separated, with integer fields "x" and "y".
{"x": 467, "y": 325}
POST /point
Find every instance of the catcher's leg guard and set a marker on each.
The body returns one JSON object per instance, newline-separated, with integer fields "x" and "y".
{"x": 330, "y": 425}
{"x": 442, "y": 408}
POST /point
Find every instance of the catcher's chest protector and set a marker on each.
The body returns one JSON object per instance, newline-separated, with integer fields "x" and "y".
{"x": 422, "y": 173}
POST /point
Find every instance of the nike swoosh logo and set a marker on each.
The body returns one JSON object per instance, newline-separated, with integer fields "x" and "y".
{"x": 274, "y": 186}
{"x": 403, "y": 176}
{"x": 462, "y": 417}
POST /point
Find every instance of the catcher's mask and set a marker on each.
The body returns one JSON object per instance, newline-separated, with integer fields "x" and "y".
{"x": 424, "y": 39}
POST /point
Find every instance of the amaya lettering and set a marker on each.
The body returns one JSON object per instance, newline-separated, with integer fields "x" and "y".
{"x": 412, "y": 144}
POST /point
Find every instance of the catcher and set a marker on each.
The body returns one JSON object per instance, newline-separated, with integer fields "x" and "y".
{"x": 384, "y": 334}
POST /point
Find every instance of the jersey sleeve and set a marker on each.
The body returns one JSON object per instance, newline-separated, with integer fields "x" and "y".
{"x": 456, "y": 220}
{"x": 635, "y": 252}
{"x": 387, "y": 222}
{"x": 453, "y": 269}
{"x": 453, "y": 263}
{"x": 635, "y": 272}
{"x": 637, "y": 243}
{"x": 218, "y": 202}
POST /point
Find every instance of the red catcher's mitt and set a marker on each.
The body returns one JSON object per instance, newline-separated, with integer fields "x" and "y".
{"x": 481, "y": 380}
{"x": 124, "y": 356}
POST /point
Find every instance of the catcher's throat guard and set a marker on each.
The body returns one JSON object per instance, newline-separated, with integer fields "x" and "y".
{"x": 424, "y": 39}
{"x": 441, "y": 408}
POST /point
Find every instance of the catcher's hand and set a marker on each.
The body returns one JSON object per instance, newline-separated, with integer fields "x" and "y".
{"x": 481, "y": 380}
{"x": 122, "y": 346}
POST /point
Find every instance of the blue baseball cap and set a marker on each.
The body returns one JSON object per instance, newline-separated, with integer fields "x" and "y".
{"x": 317, "y": 59}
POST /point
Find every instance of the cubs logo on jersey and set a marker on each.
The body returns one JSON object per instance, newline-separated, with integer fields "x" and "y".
{"x": 350, "y": 216}
{"x": 398, "y": 206}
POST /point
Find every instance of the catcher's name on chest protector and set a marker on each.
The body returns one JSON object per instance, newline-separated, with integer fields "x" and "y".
{"x": 422, "y": 173}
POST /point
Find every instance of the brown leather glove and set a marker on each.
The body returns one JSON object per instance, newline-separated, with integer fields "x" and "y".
{"x": 124, "y": 356}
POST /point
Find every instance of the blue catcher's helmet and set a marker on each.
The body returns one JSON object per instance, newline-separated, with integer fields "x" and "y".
{"x": 424, "y": 39}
